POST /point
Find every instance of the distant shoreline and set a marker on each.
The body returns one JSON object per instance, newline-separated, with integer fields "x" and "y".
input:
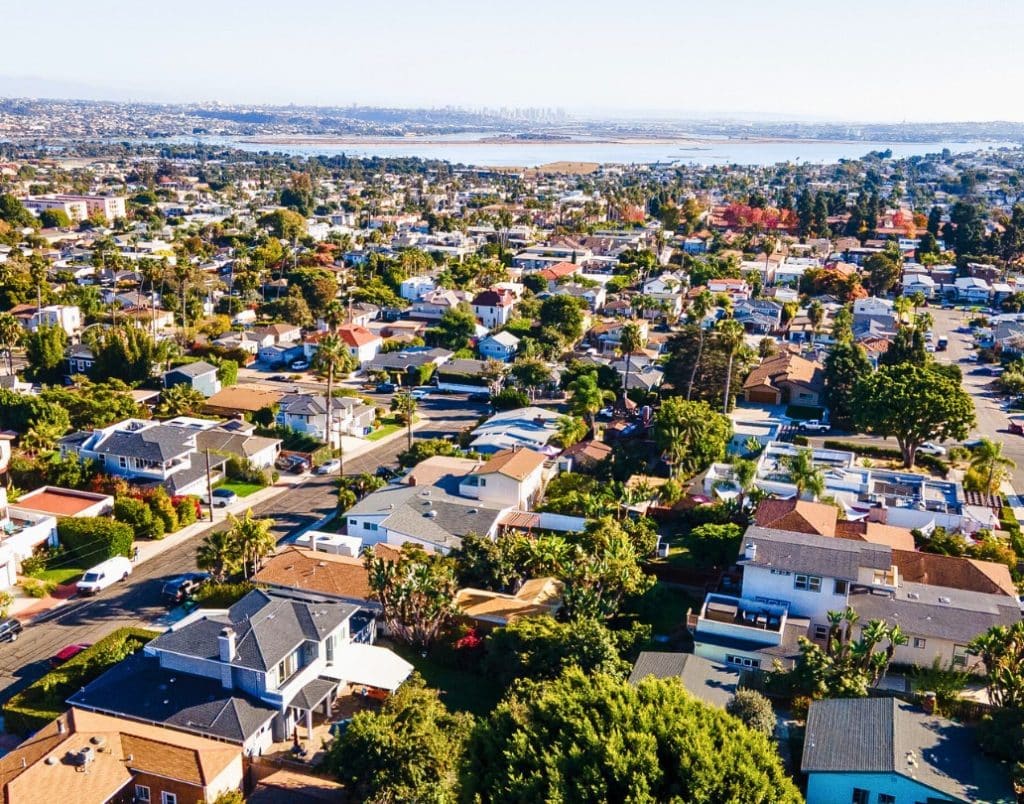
{"x": 429, "y": 139}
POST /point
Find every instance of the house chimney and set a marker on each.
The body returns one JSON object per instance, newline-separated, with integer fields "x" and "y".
{"x": 928, "y": 702}
{"x": 750, "y": 551}
{"x": 226, "y": 644}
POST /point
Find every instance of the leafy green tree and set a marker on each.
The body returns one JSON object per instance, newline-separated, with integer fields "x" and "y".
{"x": 691, "y": 435}
{"x": 12, "y": 211}
{"x": 847, "y": 364}
{"x": 45, "y": 351}
{"x": 285, "y": 224}
{"x": 588, "y": 398}
{"x": 91, "y": 405}
{"x": 292, "y": 308}
{"x": 542, "y": 647}
{"x": 21, "y": 412}
{"x": 631, "y": 341}
{"x": 598, "y": 738}
{"x": 410, "y": 750}
{"x": 456, "y": 329}
{"x": 54, "y": 218}
{"x": 11, "y": 336}
{"x": 697, "y": 312}
{"x": 124, "y": 353}
{"x": 907, "y": 346}
{"x": 564, "y": 315}
{"x": 607, "y": 569}
{"x": 332, "y": 356}
{"x": 753, "y": 710}
{"x": 730, "y": 334}
{"x": 531, "y": 373}
{"x": 416, "y": 593}
{"x": 217, "y": 555}
{"x": 180, "y": 400}
{"x": 913, "y": 404}
{"x": 883, "y": 271}
{"x": 427, "y": 448}
{"x": 1001, "y": 650}
{"x": 251, "y": 540}
{"x": 715, "y": 545}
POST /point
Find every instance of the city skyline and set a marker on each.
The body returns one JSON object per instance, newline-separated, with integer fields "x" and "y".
{"x": 670, "y": 60}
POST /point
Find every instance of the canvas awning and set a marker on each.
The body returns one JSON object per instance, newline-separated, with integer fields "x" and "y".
{"x": 359, "y": 663}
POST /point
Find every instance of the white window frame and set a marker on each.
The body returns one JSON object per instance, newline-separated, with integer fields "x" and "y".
{"x": 142, "y": 793}
{"x": 841, "y": 587}
{"x": 807, "y": 583}
{"x": 821, "y": 632}
{"x": 920, "y": 642}
{"x": 168, "y": 798}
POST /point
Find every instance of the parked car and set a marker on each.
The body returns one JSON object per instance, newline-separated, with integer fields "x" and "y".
{"x": 9, "y": 630}
{"x": 605, "y": 414}
{"x": 386, "y": 473}
{"x": 178, "y": 589}
{"x": 329, "y": 467}
{"x": 420, "y": 393}
{"x": 815, "y": 426}
{"x": 299, "y": 365}
{"x": 931, "y": 448}
{"x": 222, "y": 498}
{"x": 280, "y": 378}
{"x": 385, "y": 388}
{"x": 480, "y": 396}
{"x": 67, "y": 653}
{"x": 292, "y": 463}
{"x": 105, "y": 574}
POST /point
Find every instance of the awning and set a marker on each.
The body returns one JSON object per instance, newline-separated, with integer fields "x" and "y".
{"x": 313, "y": 694}
{"x": 359, "y": 663}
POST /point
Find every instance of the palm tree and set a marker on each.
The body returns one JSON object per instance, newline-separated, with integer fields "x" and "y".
{"x": 744, "y": 473}
{"x": 405, "y": 404}
{"x": 902, "y": 305}
{"x": 331, "y": 353}
{"x": 588, "y": 398}
{"x": 571, "y": 430}
{"x": 730, "y": 333}
{"x": 11, "y": 334}
{"x": 251, "y": 540}
{"x": 180, "y": 400}
{"x": 631, "y": 340}
{"x": 987, "y": 459}
{"x": 699, "y": 308}
{"x": 805, "y": 475}
{"x": 215, "y": 554}
{"x": 815, "y": 314}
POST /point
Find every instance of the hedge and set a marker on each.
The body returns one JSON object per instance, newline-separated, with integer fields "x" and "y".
{"x": 95, "y": 539}
{"x": 222, "y": 595}
{"x": 931, "y": 462}
{"x": 41, "y": 702}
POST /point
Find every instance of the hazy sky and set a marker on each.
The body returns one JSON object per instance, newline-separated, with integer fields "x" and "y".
{"x": 820, "y": 59}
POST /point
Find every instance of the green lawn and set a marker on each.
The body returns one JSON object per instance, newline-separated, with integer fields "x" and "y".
{"x": 59, "y": 575}
{"x": 462, "y": 691}
{"x": 388, "y": 425}
{"x": 240, "y": 488}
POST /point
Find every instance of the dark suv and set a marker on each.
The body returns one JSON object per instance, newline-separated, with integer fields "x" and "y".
{"x": 177, "y": 590}
{"x": 9, "y": 630}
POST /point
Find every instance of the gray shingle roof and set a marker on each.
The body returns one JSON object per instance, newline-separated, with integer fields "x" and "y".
{"x": 715, "y": 684}
{"x": 267, "y": 628}
{"x": 138, "y": 688}
{"x": 815, "y": 555}
{"x": 196, "y": 369}
{"x": 157, "y": 443}
{"x": 886, "y": 735}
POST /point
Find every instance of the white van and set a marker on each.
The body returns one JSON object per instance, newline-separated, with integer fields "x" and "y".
{"x": 103, "y": 575}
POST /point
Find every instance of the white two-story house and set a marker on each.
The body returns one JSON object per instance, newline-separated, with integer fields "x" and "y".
{"x": 513, "y": 477}
{"x": 307, "y": 413}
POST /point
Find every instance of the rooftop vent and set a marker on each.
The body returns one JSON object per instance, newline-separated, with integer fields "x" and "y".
{"x": 913, "y": 595}
{"x": 431, "y": 515}
{"x": 945, "y": 600}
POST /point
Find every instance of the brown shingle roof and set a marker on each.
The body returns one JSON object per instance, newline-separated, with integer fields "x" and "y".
{"x": 786, "y": 367}
{"x": 799, "y": 516}
{"x": 954, "y": 572}
{"x": 317, "y": 571}
{"x": 515, "y": 463}
{"x": 243, "y": 398}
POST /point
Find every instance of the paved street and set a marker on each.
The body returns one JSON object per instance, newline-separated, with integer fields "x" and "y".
{"x": 137, "y": 602}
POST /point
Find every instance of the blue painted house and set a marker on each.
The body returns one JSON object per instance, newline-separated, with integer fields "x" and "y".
{"x": 887, "y": 751}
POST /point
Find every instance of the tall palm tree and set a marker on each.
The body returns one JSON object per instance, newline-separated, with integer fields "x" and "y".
{"x": 815, "y": 314}
{"x": 215, "y": 554}
{"x": 744, "y": 473}
{"x": 251, "y": 540}
{"x": 588, "y": 398}
{"x": 405, "y": 403}
{"x": 631, "y": 340}
{"x": 730, "y": 333}
{"x": 571, "y": 430}
{"x": 903, "y": 306}
{"x": 987, "y": 459}
{"x": 11, "y": 334}
{"x": 805, "y": 475}
{"x": 699, "y": 308}
{"x": 331, "y": 353}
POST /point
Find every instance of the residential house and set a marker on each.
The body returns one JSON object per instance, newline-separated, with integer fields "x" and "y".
{"x": 714, "y": 684}
{"x": 250, "y": 674}
{"x": 362, "y": 344}
{"x": 80, "y": 360}
{"x": 236, "y": 438}
{"x": 536, "y": 597}
{"x": 301, "y": 570}
{"x": 282, "y": 334}
{"x": 607, "y": 335}
{"x": 531, "y": 427}
{"x": 736, "y": 289}
{"x": 501, "y": 347}
{"x": 434, "y": 304}
{"x": 59, "y": 502}
{"x": 759, "y": 315}
{"x": 88, "y": 758}
{"x": 971, "y": 290}
{"x": 559, "y": 273}
{"x": 307, "y": 413}
{"x": 594, "y": 297}
{"x": 22, "y": 532}
{"x": 147, "y": 453}
{"x": 462, "y": 376}
{"x": 512, "y": 477}
{"x": 240, "y": 400}
{"x": 885, "y": 750}
{"x": 493, "y": 308}
{"x": 410, "y": 364}
{"x": 416, "y": 287}
{"x": 199, "y": 376}
{"x": 66, "y": 316}
{"x": 919, "y": 283}
{"x": 536, "y": 258}
{"x": 786, "y": 377}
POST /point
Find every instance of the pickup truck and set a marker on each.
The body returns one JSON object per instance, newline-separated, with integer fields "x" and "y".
{"x": 815, "y": 426}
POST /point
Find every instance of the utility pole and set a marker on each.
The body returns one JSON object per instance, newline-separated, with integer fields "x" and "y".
{"x": 209, "y": 484}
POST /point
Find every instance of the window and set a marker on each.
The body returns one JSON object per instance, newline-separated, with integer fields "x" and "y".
{"x": 808, "y": 583}
{"x": 168, "y": 798}
{"x": 841, "y": 587}
{"x": 860, "y": 796}
{"x": 353, "y": 522}
{"x": 919, "y": 643}
{"x": 141, "y": 792}
{"x": 959, "y": 656}
{"x": 287, "y": 667}
{"x": 122, "y": 461}
{"x": 886, "y": 798}
{"x": 821, "y": 632}
{"x": 742, "y": 661}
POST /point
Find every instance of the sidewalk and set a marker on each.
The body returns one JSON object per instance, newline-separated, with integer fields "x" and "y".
{"x": 29, "y": 608}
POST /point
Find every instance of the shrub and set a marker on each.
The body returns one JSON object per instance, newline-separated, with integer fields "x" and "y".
{"x": 754, "y": 710}
{"x": 245, "y": 471}
{"x": 510, "y": 399}
{"x": 41, "y": 702}
{"x": 95, "y": 539}
{"x": 6, "y": 599}
{"x": 163, "y": 510}
{"x": 223, "y": 595}
{"x": 930, "y": 462}
{"x": 798, "y": 709}
{"x": 36, "y": 588}
{"x": 186, "y": 511}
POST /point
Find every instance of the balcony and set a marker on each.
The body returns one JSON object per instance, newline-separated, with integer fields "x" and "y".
{"x": 740, "y": 618}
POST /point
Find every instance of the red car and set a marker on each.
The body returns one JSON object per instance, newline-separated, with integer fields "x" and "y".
{"x": 66, "y": 654}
